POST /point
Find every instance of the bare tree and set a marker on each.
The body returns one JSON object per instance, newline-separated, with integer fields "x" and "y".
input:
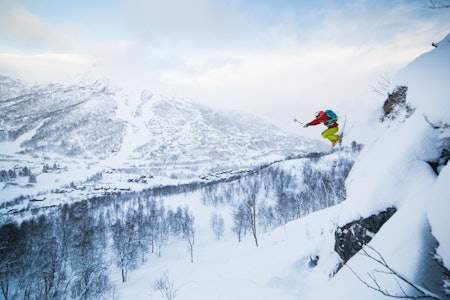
{"x": 433, "y": 4}
{"x": 383, "y": 85}
{"x": 155, "y": 223}
{"x": 188, "y": 231}
{"x": 240, "y": 222}
{"x": 166, "y": 287}
{"x": 124, "y": 245}
{"x": 10, "y": 251}
{"x": 386, "y": 269}
{"x": 217, "y": 225}
{"x": 250, "y": 188}
{"x": 88, "y": 266}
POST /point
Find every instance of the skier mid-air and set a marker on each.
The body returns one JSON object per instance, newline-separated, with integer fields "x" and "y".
{"x": 329, "y": 119}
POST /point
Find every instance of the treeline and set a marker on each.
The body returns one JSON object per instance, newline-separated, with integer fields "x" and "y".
{"x": 275, "y": 196}
{"x": 46, "y": 168}
{"x": 13, "y": 174}
{"x": 68, "y": 254}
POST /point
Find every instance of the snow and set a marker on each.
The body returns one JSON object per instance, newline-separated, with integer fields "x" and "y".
{"x": 386, "y": 172}
{"x": 439, "y": 212}
{"x": 392, "y": 170}
{"x": 9, "y": 148}
{"x": 428, "y": 82}
{"x": 226, "y": 269}
{"x": 400, "y": 245}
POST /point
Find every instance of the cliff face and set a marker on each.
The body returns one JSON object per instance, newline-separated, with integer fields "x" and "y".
{"x": 350, "y": 238}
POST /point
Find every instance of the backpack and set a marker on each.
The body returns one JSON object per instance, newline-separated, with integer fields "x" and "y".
{"x": 332, "y": 115}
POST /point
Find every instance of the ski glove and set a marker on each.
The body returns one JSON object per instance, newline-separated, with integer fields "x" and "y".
{"x": 306, "y": 125}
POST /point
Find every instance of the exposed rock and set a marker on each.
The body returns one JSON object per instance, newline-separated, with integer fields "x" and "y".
{"x": 396, "y": 104}
{"x": 350, "y": 238}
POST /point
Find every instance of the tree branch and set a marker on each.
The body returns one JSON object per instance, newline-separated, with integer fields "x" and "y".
{"x": 374, "y": 285}
{"x": 438, "y": 4}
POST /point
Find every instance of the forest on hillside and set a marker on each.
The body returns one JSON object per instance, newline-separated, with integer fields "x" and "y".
{"x": 69, "y": 251}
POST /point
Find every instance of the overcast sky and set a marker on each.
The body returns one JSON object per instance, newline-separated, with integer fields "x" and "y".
{"x": 276, "y": 58}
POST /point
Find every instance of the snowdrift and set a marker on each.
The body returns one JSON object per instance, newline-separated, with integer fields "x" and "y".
{"x": 404, "y": 166}
{"x": 395, "y": 170}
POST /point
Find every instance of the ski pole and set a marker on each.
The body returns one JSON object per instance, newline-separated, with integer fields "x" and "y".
{"x": 295, "y": 120}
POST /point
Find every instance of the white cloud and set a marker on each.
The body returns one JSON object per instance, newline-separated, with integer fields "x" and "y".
{"x": 289, "y": 65}
{"x": 21, "y": 31}
{"x": 44, "y": 67}
{"x": 186, "y": 25}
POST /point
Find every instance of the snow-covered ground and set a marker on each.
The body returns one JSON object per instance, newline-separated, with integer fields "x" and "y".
{"x": 392, "y": 170}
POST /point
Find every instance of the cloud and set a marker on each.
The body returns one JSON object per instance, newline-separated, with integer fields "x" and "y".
{"x": 276, "y": 59}
{"x": 21, "y": 31}
{"x": 44, "y": 67}
{"x": 186, "y": 24}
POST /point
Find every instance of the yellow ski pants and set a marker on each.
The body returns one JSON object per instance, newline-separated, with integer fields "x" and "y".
{"x": 331, "y": 134}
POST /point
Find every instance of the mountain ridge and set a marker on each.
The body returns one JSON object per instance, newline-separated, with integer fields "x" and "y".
{"x": 95, "y": 119}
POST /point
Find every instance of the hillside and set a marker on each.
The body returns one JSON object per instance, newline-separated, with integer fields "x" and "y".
{"x": 405, "y": 168}
{"x": 68, "y": 134}
{"x": 93, "y": 119}
{"x": 339, "y": 225}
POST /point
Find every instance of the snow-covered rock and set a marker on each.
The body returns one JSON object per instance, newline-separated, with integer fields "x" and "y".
{"x": 399, "y": 169}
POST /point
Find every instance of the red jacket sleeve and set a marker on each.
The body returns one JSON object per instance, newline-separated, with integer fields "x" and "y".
{"x": 323, "y": 118}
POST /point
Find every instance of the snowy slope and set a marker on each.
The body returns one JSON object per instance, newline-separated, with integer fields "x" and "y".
{"x": 405, "y": 165}
{"x": 180, "y": 131}
{"x": 90, "y": 125}
{"x": 94, "y": 119}
{"x": 395, "y": 169}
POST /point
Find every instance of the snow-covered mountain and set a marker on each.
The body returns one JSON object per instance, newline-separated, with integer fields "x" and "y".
{"x": 387, "y": 238}
{"x": 402, "y": 178}
{"x": 71, "y": 120}
{"x": 67, "y": 134}
{"x": 405, "y": 167}
{"x": 94, "y": 119}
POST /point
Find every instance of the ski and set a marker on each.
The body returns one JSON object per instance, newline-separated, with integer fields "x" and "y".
{"x": 341, "y": 134}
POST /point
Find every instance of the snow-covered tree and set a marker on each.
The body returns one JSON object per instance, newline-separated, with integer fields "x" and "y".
{"x": 188, "y": 231}
{"x": 125, "y": 248}
{"x": 217, "y": 225}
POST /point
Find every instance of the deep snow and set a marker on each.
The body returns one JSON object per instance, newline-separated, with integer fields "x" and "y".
{"x": 392, "y": 170}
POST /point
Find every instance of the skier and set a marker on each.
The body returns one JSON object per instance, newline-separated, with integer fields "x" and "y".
{"x": 329, "y": 119}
